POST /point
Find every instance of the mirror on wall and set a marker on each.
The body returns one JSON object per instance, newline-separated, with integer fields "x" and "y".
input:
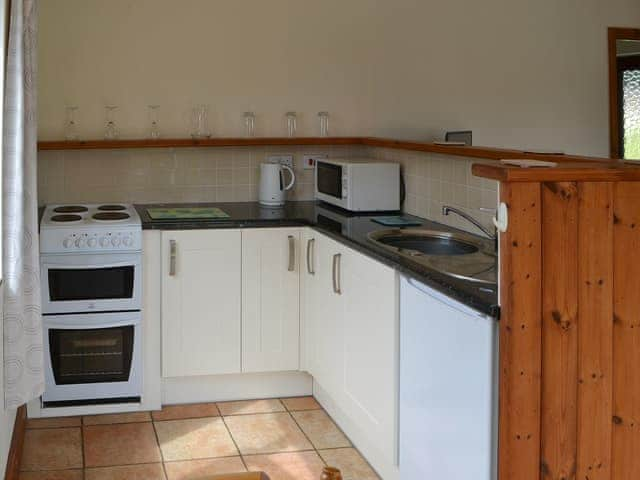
{"x": 624, "y": 92}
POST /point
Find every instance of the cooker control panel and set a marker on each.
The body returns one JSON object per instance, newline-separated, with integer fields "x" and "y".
{"x": 66, "y": 240}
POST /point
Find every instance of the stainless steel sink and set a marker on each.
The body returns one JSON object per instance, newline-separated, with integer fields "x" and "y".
{"x": 458, "y": 255}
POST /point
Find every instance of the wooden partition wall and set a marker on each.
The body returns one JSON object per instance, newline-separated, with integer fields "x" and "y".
{"x": 570, "y": 331}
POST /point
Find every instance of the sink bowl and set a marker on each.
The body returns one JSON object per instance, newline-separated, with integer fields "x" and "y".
{"x": 458, "y": 255}
{"x": 428, "y": 243}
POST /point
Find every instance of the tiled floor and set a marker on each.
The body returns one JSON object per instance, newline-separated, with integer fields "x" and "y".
{"x": 288, "y": 438}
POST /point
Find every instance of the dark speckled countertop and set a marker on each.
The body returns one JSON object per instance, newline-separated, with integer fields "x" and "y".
{"x": 348, "y": 228}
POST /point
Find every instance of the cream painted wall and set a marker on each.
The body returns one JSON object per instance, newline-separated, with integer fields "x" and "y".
{"x": 520, "y": 73}
{"x": 266, "y": 56}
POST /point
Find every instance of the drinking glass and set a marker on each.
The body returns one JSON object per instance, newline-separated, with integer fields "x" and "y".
{"x": 291, "y": 124}
{"x": 154, "y": 131}
{"x": 201, "y": 122}
{"x": 324, "y": 123}
{"x": 249, "y": 123}
{"x": 70, "y": 126}
{"x": 110, "y": 130}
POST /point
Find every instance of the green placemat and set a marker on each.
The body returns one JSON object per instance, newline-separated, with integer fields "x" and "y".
{"x": 395, "y": 221}
{"x": 184, "y": 213}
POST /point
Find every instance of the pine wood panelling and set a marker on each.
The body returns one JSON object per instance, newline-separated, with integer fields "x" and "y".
{"x": 560, "y": 330}
{"x": 586, "y": 400}
{"x": 520, "y": 334}
{"x": 626, "y": 333}
{"x": 595, "y": 334}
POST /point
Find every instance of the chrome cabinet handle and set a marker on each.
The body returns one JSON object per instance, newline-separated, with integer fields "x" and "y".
{"x": 336, "y": 273}
{"x": 172, "y": 257}
{"x": 311, "y": 245}
{"x": 292, "y": 253}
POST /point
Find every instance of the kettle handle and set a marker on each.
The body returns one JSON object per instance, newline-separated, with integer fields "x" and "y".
{"x": 293, "y": 177}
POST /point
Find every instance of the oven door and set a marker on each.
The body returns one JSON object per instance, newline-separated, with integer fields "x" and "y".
{"x": 91, "y": 282}
{"x": 92, "y": 358}
{"x": 331, "y": 183}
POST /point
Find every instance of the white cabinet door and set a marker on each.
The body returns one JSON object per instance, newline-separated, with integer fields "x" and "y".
{"x": 270, "y": 299}
{"x": 370, "y": 332}
{"x": 201, "y": 302}
{"x": 351, "y": 314}
{"x": 324, "y": 312}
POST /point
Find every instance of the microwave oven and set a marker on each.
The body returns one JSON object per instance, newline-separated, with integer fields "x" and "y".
{"x": 358, "y": 185}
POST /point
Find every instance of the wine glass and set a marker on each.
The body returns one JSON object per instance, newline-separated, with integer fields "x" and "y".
{"x": 154, "y": 131}
{"x": 201, "y": 122}
{"x": 249, "y": 123}
{"x": 324, "y": 123}
{"x": 70, "y": 126}
{"x": 291, "y": 124}
{"x": 110, "y": 130}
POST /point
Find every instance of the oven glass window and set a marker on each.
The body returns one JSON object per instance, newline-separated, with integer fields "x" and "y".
{"x": 91, "y": 356}
{"x": 329, "y": 179}
{"x": 90, "y": 283}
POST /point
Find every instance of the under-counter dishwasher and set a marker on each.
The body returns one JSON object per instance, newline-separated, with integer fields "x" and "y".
{"x": 448, "y": 388}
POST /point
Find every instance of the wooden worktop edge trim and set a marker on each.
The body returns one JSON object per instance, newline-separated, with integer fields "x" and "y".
{"x": 14, "y": 458}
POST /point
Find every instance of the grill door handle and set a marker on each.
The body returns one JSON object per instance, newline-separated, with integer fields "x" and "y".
{"x": 172, "y": 257}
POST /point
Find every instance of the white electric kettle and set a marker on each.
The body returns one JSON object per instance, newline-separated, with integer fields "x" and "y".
{"x": 273, "y": 191}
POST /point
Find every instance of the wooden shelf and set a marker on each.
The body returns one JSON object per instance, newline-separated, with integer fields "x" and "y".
{"x": 570, "y": 168}
{"x": 190, "y": 142}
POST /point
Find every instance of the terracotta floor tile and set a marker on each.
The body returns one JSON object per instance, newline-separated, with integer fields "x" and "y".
{"x": 203, "y": 469}
{"x": 301, "y": 403}
{"x": 194, "y": 410}
{"x": 52, "y": 475}
{"x": 350, "y": 463}
{"x": 145, "y": 471}
{"x": 54, "y": 422}
{"x": 194, "y": 438}
{"x": 267, "y": 433}
{"x": 113, "y": 418}
{"x": 52, "y": 449}
{"x": 320, "y": 429}
{"x": 124, "y": 444}
{"x": 251, "y": 406}
{"x": 287, "y": 466}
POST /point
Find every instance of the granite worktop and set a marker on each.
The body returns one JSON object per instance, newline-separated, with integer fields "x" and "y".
{"x": 351, "y": 229}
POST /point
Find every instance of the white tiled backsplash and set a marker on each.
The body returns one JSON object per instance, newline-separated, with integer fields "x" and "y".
{"x": 223, "y": 174}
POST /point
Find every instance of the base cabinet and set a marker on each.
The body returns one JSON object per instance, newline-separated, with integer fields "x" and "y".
{"x": 201, "y": 302}
{"x": 270, "y": 299}
{"x": 351, "y": 345}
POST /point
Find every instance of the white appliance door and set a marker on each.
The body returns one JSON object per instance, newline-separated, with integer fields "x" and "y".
{"x": 95, "y": 356}
{"x": 448, "y": 399}
{"x": 91, "y": 282}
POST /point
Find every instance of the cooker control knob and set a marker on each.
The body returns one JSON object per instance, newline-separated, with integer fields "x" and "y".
{"x": 80, "y": 242}
{"x": 104, "y": 241}
{"x": 115, "y": 241}
{"x": 67, "y": 242}
{"x": 92, "y": 242}
{"x": 127, "y": 241}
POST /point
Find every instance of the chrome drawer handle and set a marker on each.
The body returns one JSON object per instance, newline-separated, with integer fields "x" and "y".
{"x": 311, "y": 245}
{"x": 292, "y": 253}
{"x": 172, "y": 257}
{"x": 336, "y": 273}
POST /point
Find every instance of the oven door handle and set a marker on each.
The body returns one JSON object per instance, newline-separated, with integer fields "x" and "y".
{"x": 73, "y": 324}
{"x": 66, "y": 266}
